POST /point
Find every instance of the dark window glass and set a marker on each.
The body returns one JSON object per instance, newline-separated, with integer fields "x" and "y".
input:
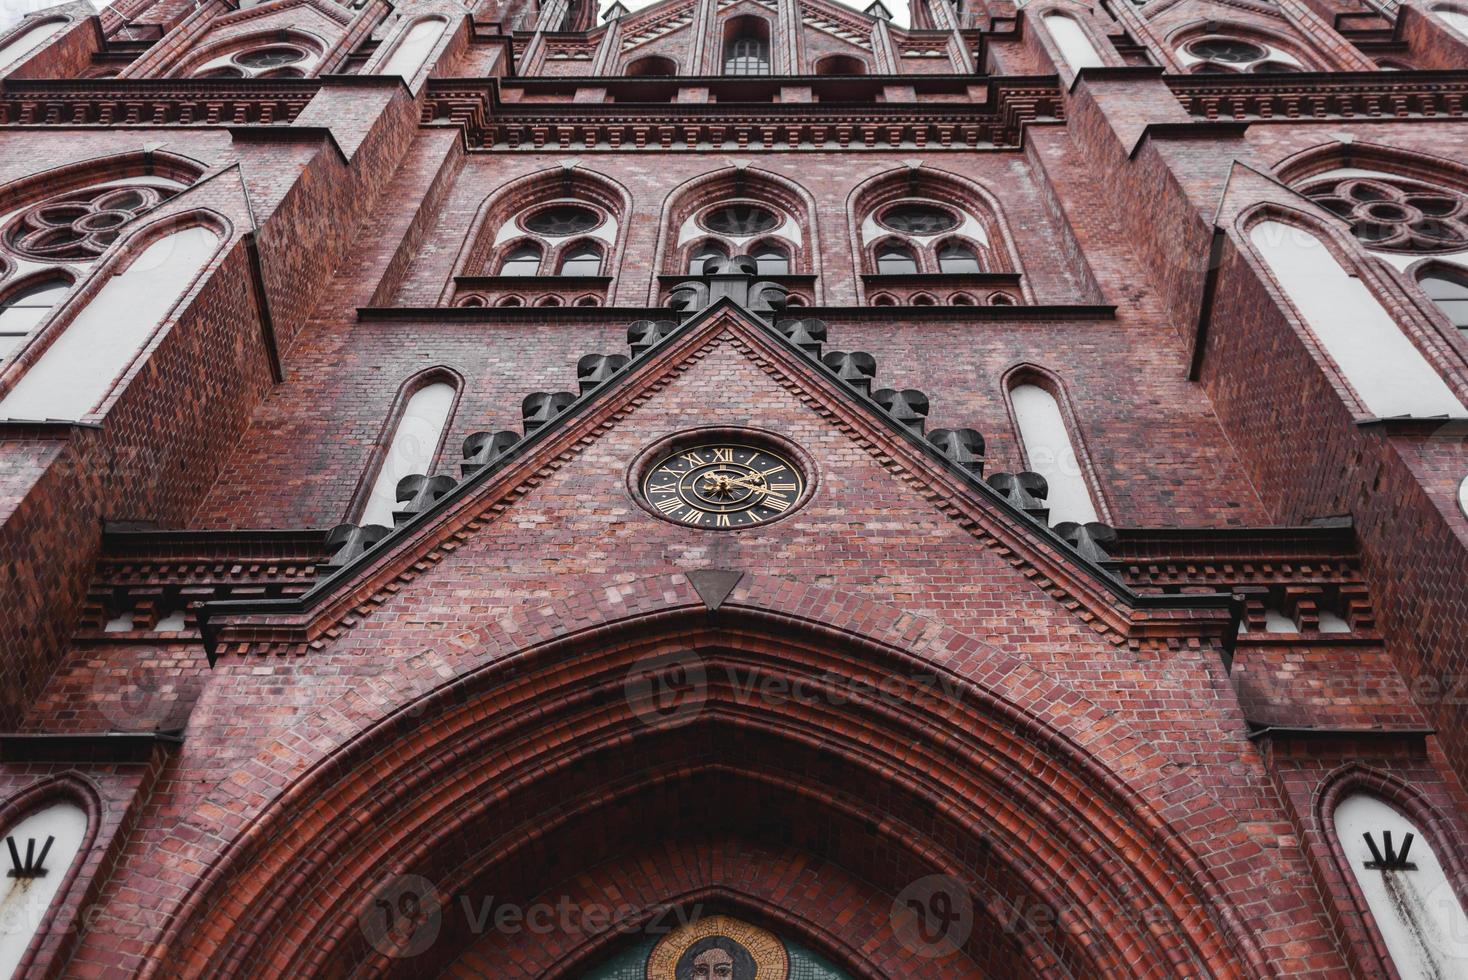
{"x": 772, "y": 260}
{"x": 746, "y": 56}
{"x": 561, "y": 220}
{"x": 1229, "y": 51}
{"x": 524, "y": 260}
{"x": 919, "y": 219}
{"x": 701, "y": 261}
{"x": 268, "y": 58}
{"x": 957, "y": 258}
{"x": 740, "y": 220}
{"x": 1449, "y": 290}
{"x": 581, "y": 260}
{"x": 895, "y": 260}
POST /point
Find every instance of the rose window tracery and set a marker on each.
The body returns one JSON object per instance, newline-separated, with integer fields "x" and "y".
{"x": 81, "y": 225}
{"x": 1395, "y": 214}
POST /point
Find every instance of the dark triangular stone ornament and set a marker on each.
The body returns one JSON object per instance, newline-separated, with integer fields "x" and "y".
{"x": 713, "y": 585}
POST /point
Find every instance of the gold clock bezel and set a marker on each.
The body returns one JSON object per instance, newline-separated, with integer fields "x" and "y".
{"x": 736, "y": 439}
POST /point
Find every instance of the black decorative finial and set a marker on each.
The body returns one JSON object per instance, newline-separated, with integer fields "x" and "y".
{"x": 856, "y": 368}
{"x": 483, "y": 449}
{"x": 1087, "y": 539}
{"x": 963, "y": 446}
{"x": 908, "y": 406}
{"x": 1027, "y": 491}
{"x": 593, "y": 369}
{"x": 809, "y": 334}
{"x": 417, "y": 493}
{"x": 349, "y": 542}
{"x": 732, "y": 278}
{"x": 643, "y": 335}
{"x": 539, "y": 407}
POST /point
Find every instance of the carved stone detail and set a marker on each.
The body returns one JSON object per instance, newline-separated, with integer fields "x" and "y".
{"x": 963, "y": 446}
{"x": 908, "y": 406}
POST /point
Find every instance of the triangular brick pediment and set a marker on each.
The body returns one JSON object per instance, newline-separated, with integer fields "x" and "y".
{"x": 723, "y": 349}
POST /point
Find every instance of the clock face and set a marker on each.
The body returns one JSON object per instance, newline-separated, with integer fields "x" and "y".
{"x": 723, "y": 486}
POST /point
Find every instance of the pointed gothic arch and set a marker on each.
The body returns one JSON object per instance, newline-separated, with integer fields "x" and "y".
{"x": 681, "y": 233}
{"x": 976, "y": 220}
{"x": 498, "y": 226}
{"x": 1011, "y": 805}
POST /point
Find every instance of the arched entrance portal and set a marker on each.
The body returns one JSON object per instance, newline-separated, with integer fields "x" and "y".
{"x": 857, "y": 799}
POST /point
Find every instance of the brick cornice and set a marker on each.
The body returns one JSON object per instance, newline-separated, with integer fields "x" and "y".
{"x": 1323, "y": 95}
{"x": 489, "y": 122}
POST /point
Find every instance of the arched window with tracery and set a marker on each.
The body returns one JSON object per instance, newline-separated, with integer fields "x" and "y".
{"x": 747, "y": 46}
{"x": 1226, "y": 49}
{"x": 1413, "y": 221}
{"x": 928, "y": 224}
{"x": 55, "y": 238}
{"x": 279, "y": 54}
{"x": 741, "y": 212}
{"x": 554, "y": 224}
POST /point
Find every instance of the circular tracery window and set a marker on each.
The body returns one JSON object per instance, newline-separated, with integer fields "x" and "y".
{"x": 1400, "y": 215}
{"x": 919, "y": 219}
{"x": 263, "y": 58}
{"x": 1229, "y": 51}
{"x": 561, "y": 220}
{"x": 740, "y": 220}
{"x": 80, "y": 225}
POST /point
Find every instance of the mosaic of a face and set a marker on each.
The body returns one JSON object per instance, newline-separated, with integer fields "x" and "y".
{"x": 716, "y": 958}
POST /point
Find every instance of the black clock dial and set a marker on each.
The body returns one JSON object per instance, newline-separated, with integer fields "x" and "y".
{"x": 723, "y": 486}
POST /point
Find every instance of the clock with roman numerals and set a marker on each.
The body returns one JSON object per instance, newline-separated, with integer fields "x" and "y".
{"x": 722, "y": 485}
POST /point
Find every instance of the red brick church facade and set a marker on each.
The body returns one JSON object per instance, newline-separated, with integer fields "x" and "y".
{"x": 737, "y": 488}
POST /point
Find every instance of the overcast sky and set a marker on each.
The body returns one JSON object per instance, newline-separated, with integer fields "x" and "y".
{"x": 13, "y": 10}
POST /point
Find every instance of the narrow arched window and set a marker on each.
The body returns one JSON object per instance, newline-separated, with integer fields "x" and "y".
{"x": 82, "y": 364}
{"x": 1448, "y": 290}
{"x": 746, "y": 55}
{"x": 408, "y": 57}
{"x": 1051, "y": 453}
{"x": 1385, "y": 368}
{"x": 25, "y": 309}
{"x": 46, "y": 841}
{"x": 957, "y": 258}
{"x": 771, "y": 260}
{"x": 1409, "y": 895}
{"x": 895, "y": 260}
{"x": 701, "y": 262}
{"x": 581, "y": 260}
{"x": 1075, "y": 46}
{"x": 411, "y": 449}
{"x": 523, "y": 260}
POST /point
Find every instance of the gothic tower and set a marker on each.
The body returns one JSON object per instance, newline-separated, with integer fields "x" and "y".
{"x": 734, "y": 489}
